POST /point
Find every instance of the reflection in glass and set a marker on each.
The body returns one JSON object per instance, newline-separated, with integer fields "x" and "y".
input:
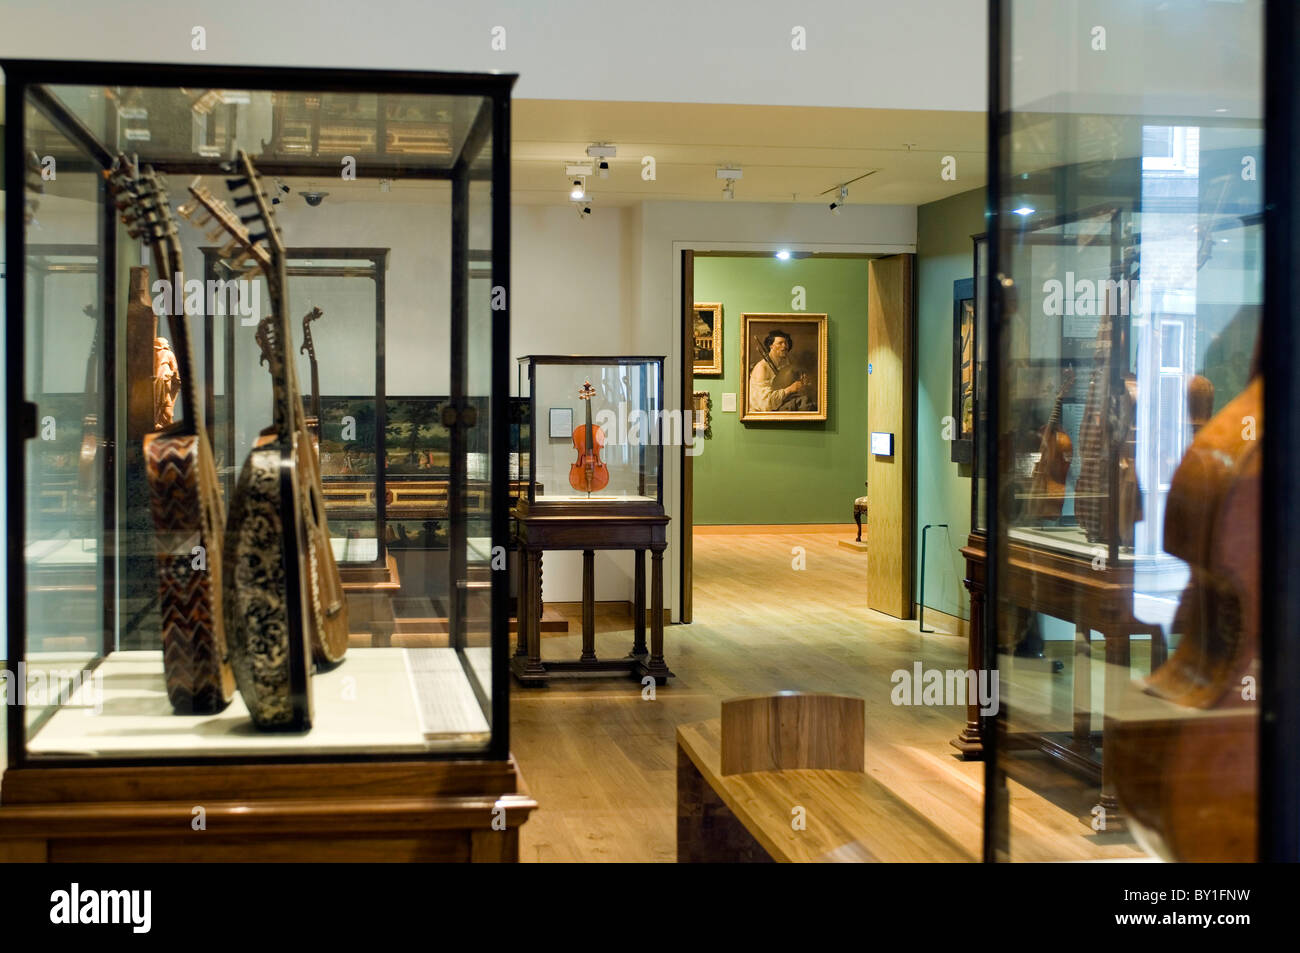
{"x": 1128, "y": 437}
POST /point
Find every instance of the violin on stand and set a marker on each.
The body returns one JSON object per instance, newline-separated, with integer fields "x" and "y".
{"x": 588, "y": 473}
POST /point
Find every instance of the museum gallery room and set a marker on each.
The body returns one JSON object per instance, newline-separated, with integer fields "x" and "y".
{"x": 469, "y": 440}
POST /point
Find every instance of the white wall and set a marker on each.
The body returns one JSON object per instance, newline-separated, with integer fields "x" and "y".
{"x": 868, "y": 53}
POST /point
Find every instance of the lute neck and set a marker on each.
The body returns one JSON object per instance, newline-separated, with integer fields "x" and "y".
{"x": 284, "y": 376}
{"x": 171, "y": 264}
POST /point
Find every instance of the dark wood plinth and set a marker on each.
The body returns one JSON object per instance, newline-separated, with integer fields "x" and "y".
{"x": 1064, "y": 586}
{"x": 313, "y": 812}
{"x": 589, "y": 527}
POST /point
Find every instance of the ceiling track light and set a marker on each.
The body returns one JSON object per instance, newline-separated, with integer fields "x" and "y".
{"x": 839, "y": 204}
{"x": 602, "y": 152}
{"x": 579, "y": 190}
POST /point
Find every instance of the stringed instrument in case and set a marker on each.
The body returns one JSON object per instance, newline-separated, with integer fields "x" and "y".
{"x": 184, "y": 494}
{"x": 1047, "y": 484}
{"x": 1187, "y": 771}
{"x": 588, "y": 474}
{"x": 269, "y": 589}
{"x": 328, "y": 622}
{"x": 309, "y": 348}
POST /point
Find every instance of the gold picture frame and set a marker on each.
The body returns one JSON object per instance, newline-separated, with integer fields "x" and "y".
{"x": 792, "y": 386}
{"x": 708, "y": 339}
{"x": 702, "y": 405}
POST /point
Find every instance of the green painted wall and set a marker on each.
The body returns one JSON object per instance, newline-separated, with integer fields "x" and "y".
{"x": 787, "y": 472}
{"x": 944, "y": 248}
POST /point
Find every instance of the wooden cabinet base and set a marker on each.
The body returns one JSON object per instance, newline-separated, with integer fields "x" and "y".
{"x": 354, "y": 811}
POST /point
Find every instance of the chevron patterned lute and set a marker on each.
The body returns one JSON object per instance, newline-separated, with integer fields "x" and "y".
{"x": 185, "y": 498}
{"x": 189, "y": 577}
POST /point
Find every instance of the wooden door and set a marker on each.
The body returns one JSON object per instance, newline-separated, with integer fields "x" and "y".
{"x": 890, "y": 478}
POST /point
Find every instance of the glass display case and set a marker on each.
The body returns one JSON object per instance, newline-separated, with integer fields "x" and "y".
{"x": 1124, "y": 430}
{"x": 595, "y": 433}
{"x": 387, "y": 197}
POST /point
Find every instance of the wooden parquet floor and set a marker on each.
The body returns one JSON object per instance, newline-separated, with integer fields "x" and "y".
{"x": 600, "y": 759}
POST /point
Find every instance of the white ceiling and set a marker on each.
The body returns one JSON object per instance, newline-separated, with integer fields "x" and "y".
{"x": 787, "y": 154}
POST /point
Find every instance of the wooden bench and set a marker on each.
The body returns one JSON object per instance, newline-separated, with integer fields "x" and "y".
{"x": 781, "y": 778}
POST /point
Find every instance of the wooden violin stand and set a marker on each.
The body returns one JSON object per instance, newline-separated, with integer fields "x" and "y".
{"x": 589, "y": 527}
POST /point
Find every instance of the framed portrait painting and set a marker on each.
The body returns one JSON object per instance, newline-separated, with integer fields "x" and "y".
{"x": 969, "y": 357}
{"x": 708, "y": 340}
{"x": 963, "y": 370}
{"x": 783, "y": 367}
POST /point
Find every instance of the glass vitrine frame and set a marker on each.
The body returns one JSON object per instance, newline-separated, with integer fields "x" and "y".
{"x": 482, "y": 160}
{"x": 1279, "y": 713}
{"x": 653, "y": 399}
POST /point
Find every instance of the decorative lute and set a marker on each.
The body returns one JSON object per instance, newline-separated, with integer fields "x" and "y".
{"x": 1047, "y": 485}
{"x": 269, "y": 592}
{"x": 184, "y": 494}
{"x": 328, "y": 616}
{"x": 588, "y": 474}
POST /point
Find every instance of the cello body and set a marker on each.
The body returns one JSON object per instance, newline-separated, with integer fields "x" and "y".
{"x": 1185, "y": 748}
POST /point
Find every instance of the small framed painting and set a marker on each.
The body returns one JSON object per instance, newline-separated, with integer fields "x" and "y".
{"x": 702, "y": 413}
{"x": 708, "y": 340}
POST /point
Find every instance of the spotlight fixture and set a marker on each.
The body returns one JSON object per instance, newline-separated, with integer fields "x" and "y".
{"x": 579, "y": 191}
{"x": 783, "y": 254}
{"x": 844, "y": 197}
{"x": 278, "y": 193}
{"x": 730, "y": 175}
{"x": 602, "y": 151}
{"x": 1024, "y": 210}
{"x": 583, "y": 210}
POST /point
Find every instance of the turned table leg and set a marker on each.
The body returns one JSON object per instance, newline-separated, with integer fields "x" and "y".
{"x": 1117, "y": 675}
{"x": 523, "y": 600}
{"x": 588, "y": 606}
{"x": 638, "y": 602}
{"x": 970, "y": 742}
{"x": 1081, "y": 737}
{"x": 656, "y": 666}
{"x": 534, "y": 664}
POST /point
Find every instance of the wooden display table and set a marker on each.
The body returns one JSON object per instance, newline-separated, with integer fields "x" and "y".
{"x": 736, "y": 801}
{"x": 314, "y": 812}
{"x": 589, "y": 527}
{"x": 1066, "y": 586}
{"x": 370, "y": 591}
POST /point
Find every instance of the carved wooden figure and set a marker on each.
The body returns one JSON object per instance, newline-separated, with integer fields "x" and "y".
{"x": 166, "y": 383}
